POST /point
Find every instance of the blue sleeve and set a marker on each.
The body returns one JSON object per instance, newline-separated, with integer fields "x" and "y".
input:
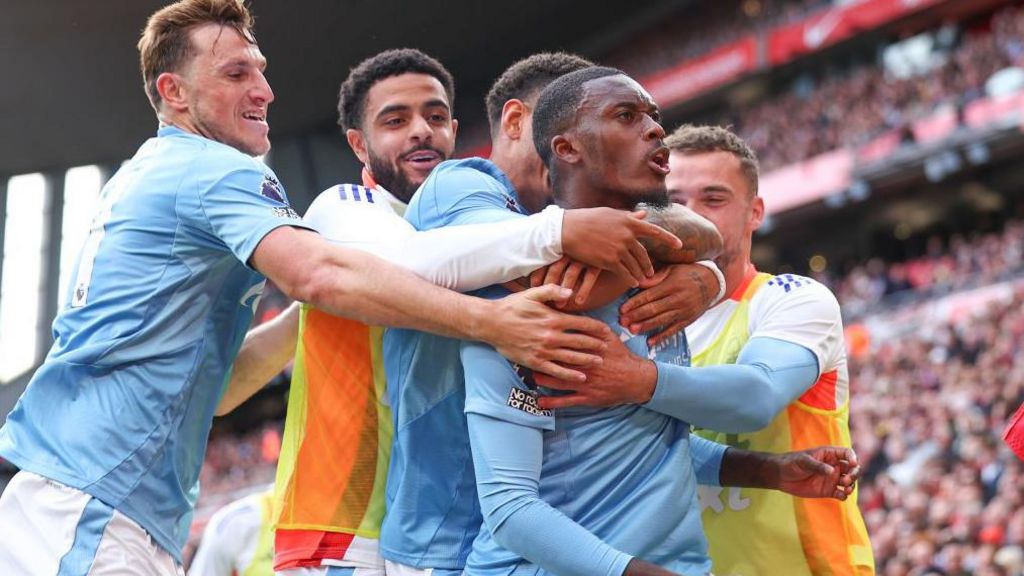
{"x": 707, "y": 460}
{"x": 742, "y": 397}
{"x": 507, "y": 458}
{"x": 459, "y": 195}
{"x": 497, "y": 388}
{"x": 243, "y": 207}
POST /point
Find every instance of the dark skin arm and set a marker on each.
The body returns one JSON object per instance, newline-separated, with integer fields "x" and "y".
{"x": 823, "y": 472}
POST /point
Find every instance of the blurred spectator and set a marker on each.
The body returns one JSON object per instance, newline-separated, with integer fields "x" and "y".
{"x": 981, "y": 260}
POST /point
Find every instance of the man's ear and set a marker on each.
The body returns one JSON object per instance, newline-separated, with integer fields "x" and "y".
{"x": 173, "y": 91}
{"x": 357, "y": 143}
{"x": 564, "y": 147}
{"x": 513, "y": 113}
{"x": 756, "y": 213}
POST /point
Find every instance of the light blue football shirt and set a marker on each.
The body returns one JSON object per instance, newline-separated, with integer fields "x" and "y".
{"x": 433, "y": 513}
{"x": 623, "y": 474}
{"x": 161, "y": 300}
{"x": 432, "y": 509}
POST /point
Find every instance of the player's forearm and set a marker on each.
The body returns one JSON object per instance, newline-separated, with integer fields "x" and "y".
{"x": 741, "y": 397}
{"x": 747, "y": 469}
{"x": 473, "y": 256}
{"x": 356, "y": 285}
{"x": 507, "y": 458}
{"x": 701, "y": 240}
{"x": 267, "y": 349}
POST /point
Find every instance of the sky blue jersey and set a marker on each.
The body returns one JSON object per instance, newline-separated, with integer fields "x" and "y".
{"x": 579, "y": 491}
{"x": 160, "y": 302}
{"x": 433, "y": 513}
{"x": 432, "y": 509}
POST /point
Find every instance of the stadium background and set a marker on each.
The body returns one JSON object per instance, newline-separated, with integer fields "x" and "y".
{"x": 890, "y": 133}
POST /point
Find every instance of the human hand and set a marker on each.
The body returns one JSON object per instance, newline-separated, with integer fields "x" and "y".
{"x": 822, "y": 472}
{"x": 671, "y": 301}
{"x": 609, "y": 239}
{"x": 524, "y": 329}
{"x": 620, "y": 378}
{"x": 568, "y": 273}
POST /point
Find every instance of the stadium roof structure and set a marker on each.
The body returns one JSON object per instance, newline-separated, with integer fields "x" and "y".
{"x": 72, "y": 94}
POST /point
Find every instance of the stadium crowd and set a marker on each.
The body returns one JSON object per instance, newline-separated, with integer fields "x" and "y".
{"x": 946, "y": 266}
{"x": 684, "y": 35}
{"x": 849, "y": 108}
{"x": 941, "y": 495}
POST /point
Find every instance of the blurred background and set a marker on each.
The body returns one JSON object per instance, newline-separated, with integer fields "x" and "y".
{"x": 890, "y": 134}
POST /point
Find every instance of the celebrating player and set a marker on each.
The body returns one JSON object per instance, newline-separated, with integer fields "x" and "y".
{"x": 111, "y": 431}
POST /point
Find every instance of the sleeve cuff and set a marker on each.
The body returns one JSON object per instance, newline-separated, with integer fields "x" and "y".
{"x": 553, "y": 216}
{"x": 721, "y": 279}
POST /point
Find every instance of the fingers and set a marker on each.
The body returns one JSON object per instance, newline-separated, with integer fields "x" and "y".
{"x": 562, "y": 373}
{"x": 637, "y": 251}
{"x": 658, "y": 278}
{"x": 572, "y": 275}
{"x": 513, "y": 286}
{"x": 585, "y": 326}
{"x": 663, "y": 319}
{"x": 547, "y": 293}
{"x": 670, "y": 331}
{"x": 537, "y": 277}
{"x": 575, "y": 358}
{"x": 633, "y": 264}
{"x": 656, "y": 234}
{"x": 554, "y": 383}
{"x": 589, "y": 281}
{"x": 555, "y": 272}
{"x": 556, "y": 402}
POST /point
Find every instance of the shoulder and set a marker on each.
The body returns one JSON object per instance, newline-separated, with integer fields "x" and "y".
{"x": 456, "y": 178}
{"x": 343, "y": 196}
{"x": 795, "y": 294}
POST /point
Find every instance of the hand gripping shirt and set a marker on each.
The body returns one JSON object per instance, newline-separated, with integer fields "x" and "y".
{"x": 338, "y": 431}
{"x": 754, "y": 532}
{"x": 156, "y": 312}
{"x": 613, "y": 483}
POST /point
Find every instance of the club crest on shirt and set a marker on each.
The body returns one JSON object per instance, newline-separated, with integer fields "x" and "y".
{"x": 271, "y": 188}
{"x": 511, "y": 203}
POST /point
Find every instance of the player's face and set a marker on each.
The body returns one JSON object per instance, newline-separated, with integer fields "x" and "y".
{"x": 228, "y": 95}
{"x": 712, "y": 185}
{"x": 621, "y": 139}
{"x": 407, "y": 130}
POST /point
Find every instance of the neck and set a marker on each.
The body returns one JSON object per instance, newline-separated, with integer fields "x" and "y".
{"x": 573, "y": 191}
{"x": 736, "y": 270}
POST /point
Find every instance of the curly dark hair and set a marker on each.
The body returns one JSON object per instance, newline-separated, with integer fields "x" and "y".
{"x": 526, "y": 78}
{"x": 352, "y": 96}
{"x": 557, "y": 104}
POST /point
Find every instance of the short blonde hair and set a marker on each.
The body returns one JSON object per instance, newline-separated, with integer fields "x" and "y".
{"x": 165, "y": 45}
{"x": 697, "y": 139}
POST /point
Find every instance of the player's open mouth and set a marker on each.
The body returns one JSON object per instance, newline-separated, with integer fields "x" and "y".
{"x": 423, "y": 159}
{"x": 255, "y": 116}
{"x": 658, "y": 161}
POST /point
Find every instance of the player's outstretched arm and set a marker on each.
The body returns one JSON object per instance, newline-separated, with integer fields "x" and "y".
{"x": 267, "y": 349}
{"x": 353, "y": 284}
{"x": 823, "y": 472}
{"x": 743, "y": 397}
